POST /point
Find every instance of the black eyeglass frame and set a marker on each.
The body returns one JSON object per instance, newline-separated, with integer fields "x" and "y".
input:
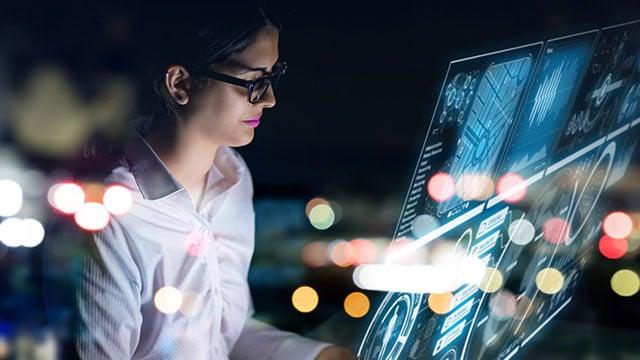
{"x": 272, "y": 79}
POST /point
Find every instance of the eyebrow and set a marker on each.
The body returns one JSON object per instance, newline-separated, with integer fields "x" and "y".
{"x": 248, "y": 69}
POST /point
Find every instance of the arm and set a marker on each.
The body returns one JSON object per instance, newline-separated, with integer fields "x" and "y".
{"x": 108, "y": 298}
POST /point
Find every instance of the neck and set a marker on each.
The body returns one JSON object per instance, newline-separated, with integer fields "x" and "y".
{"x": 187, "y": 155}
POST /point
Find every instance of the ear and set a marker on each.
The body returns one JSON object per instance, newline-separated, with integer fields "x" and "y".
{"x": 178, "y": 83}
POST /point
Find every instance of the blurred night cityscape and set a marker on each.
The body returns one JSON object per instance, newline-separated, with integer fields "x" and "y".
{"x": 330, "y": 163}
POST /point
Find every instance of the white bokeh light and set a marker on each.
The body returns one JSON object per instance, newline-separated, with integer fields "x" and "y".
{"x": 92, "y": 216}
{"x": 32, "y": 232}
{"x": 11, "y": 195}
{"x": 168, "y": 299}
{"x": 67, "y": 197}
{"x": 11, "y": 232}
{"x": 117, "y": 199}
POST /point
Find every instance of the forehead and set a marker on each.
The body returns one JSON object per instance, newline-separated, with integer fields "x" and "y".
{"x": 263, "y": 51}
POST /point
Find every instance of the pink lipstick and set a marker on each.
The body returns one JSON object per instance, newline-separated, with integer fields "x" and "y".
{"x": 253, "y": 122}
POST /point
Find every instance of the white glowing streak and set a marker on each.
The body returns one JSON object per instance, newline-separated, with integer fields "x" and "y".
{"x": 421, "y": 279}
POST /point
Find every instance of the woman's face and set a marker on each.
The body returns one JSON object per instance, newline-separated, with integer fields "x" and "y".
{"x": 220, "y": 112}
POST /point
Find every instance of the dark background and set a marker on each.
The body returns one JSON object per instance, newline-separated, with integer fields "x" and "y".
{"x": 352, "y": 112}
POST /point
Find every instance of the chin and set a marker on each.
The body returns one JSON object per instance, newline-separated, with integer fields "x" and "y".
{"x": 244, "y": 140}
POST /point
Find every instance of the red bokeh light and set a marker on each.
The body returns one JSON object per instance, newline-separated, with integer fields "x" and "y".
{"x": 612, "y": 248}
{"x": 441, "y": 187}
{"x": 556, "y": 230}
{"x": 366, "y": 251}
{"x": 513, "y": 186}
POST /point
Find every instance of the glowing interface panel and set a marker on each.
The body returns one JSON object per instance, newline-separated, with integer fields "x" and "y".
{"x": 563, "y": 119}
{"x": 552, "y": 91}
{"x": 476, "y": 110}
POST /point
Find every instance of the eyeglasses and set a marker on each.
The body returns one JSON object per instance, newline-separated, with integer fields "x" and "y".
{"x": 256, "y": 89}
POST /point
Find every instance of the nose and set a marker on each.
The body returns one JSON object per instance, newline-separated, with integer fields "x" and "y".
{"x": 269, "y": 99}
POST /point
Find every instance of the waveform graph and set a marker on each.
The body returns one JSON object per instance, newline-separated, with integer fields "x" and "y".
{"x": 547, "y": 104}
{"x": 545, "y": 96}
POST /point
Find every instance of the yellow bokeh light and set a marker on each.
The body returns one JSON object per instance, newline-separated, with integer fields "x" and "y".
{"x": 313, "y": 203}
{"x": 474, "y": 187}
{"x": 168, "y": 299}
{"x": 625, "y": 282}
{"x": 304, "y": 299}
{"x": 492, "y": 280}
{"x": 549, "y": 281}
{"x": 321, "y": 216}
{"x": 440, "y": 303}
{"x": 356, "y": 304}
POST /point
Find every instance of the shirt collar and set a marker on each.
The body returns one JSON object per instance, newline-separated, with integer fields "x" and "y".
{"x": 152, "y": 176}
{"x": 154, "y": 179}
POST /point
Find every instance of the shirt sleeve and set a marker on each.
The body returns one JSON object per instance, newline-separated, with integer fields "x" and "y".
{"x": 108, "y": 298}
{"x": 262, "y": 341}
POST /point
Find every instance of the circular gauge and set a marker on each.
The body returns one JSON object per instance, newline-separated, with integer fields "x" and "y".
{"x": 591, "y": 192}
{"x": 390, "y": 328}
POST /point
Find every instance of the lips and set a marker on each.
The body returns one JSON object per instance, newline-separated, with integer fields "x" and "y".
{"x": 252, "y": 122}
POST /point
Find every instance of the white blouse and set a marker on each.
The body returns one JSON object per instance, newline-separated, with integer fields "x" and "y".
{"x": 203, "y": 253}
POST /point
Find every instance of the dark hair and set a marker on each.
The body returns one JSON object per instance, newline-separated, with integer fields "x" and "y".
{"x": 201, "y": 38}
{"x": 195, "y": 35}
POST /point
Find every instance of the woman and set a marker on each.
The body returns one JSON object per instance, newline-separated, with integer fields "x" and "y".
{"x": 190, "y": 231}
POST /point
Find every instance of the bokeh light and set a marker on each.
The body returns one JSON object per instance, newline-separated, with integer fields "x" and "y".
{"x": 313, "y": 203}
{"x": 549, "y": 281}
{"x": 441, "y": 187}
{"x": 423, "y": 224}
{"x": 314, "y": 254}
{"x": 32, "y": 232}
{"x": 92, "y": 216}
{"x": 617, "y": 225}
{"x": 66, "y": 197}
{"x": 492, "y": 280}
{"x": 521, "y": 231}
{"x": 502, "y": 305}
{"x": 15, "y": 232}
{"x": 117, "y": 199}
{"x": 305, "y": 299}
{"x": 11, "y": 232}
{"x": 512, "y": 186}
{"x": 556, "y": 230}
{"x": 440, "y": 303}
{"x": 192, "y": 304}
{"x": 11, "y": 195}
{"x": 321, "y": 216}
{"x": 342, "y": 253}
{"x": 365, "y": 251}
{"x": 168, "y": 300}
{"x": 474, "y": 187}
{"x": 196, "y": 243}
{"x": 612, "y": 248}
{"x": 356, "y": 304}
{"x": 625, "y": 282}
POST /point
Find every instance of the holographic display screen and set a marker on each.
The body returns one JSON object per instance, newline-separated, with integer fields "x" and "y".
{"x": 561, "y": 67}
{"x": 563, "y": 120}
{"x": 603, "y": 89}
